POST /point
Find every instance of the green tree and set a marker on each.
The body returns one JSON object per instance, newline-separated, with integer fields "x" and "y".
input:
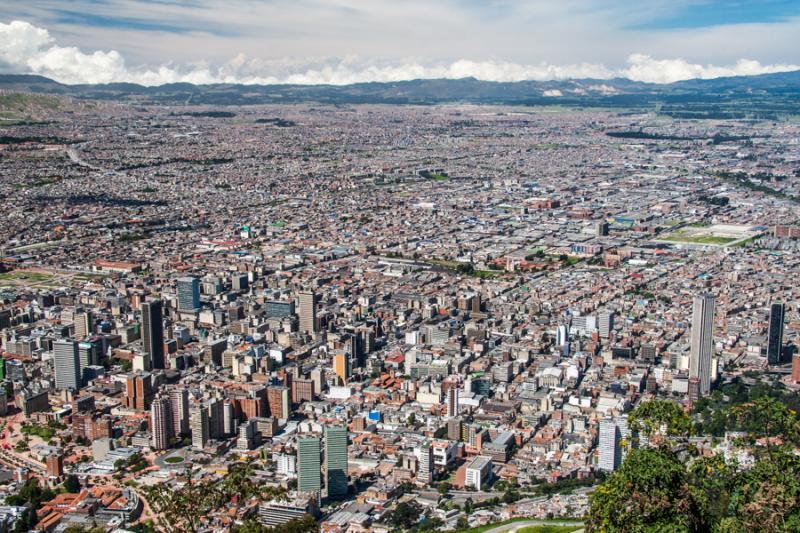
{"x": 71, "y": 484}
{"x": 405, "y": 515}
{"x": 649, "y": 492}
{"x": 658, "y": 420}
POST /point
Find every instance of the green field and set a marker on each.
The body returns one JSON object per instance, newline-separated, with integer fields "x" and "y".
{"x": 19, "y": 275}
{"x": 173, "y": 460}
{"x": 543, "y": 528}
{"x": 698, "y": 239}
{"x": 548, "y": 529}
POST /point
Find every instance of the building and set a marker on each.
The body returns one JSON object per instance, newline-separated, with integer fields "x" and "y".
{"x": 82, "y": 322}
{"x": 341, "y": 366}
{"x": 796, "y": 368}
{"x": 609, "y": 445}
{"x": 775, "y": 334}
{"x": 478, "y": 472}
{"x": 66, "y": 363}
{"x": 179, "y": 405}
{"x": 605, "y": 323}
{"x": 139, "y": 391}
{"x": 153, "y": 332}
{"x": 452, "y": 401}
{"x": 308, "y": 312}
{"x": 425, "y": 465}
{"x": 188, "y": 289}
{"x": 54, "y": 463}
{"x": 200, "y": 429}
{"x": 308, "y": 464}
{"x": 702, "y": 341}
{"x": 336, "y": 461}
{"x": 278, "y": 309}
{"x": 161, "y": 423}
{"x": 278, "y": 401}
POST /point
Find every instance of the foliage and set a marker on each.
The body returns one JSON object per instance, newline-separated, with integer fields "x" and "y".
{"x": 659, "y": 419}
{"x": 71, "y": 484}
{"x": 666, "y": 489}
{"x": 405, "y": 515}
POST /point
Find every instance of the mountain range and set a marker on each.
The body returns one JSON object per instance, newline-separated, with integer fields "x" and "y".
{"x": 765, "y": 96}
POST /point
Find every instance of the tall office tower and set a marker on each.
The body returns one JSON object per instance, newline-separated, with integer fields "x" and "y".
{"x": 601, "y": 229}
{"x": 425, "y": 469}
{"x": 82, "y": 320}
{"x": 67, "y": 365}
{"x": 609, "y": 445}
{"x": 278, "y": 400}
{"x": 562, "y": 335}
{"x": 336, "y": 460}
{"x": 341, "y": 365}
{"x": 775, "y": 335}
{"x": 161, "y": 423}
{"x": 308, "y": 465}
{"x": 239, "y": 282}
{"x": 188, "y": 289}
{"x": 796, "y": 368}
{"x": 605, "y": 323}
{"x": 302, "y": 390}
{"x": 247, "y": 435}
{"x": 228, "y": 420}
{"x": 702, "y": 348}
{"x": 452, "y": 401}
{"x": 153, "y": 332}
{"x": 216, "y": 418}
{"x": 308, "y": 312}
{"x": 179, "y": 400}
{"x": 200, "y": 429}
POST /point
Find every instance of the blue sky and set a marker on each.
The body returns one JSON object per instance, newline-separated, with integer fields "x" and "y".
{"x": 355, "y": 40}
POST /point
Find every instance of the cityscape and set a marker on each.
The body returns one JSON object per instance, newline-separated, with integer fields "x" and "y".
{"x": 347, "y": 314}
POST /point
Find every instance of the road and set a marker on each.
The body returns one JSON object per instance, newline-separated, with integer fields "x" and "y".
{"x": 514, "y": 526}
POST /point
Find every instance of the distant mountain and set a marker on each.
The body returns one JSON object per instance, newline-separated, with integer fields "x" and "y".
{"x": 765, "y": 96}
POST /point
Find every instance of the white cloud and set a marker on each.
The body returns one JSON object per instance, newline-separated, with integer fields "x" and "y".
{"x": 25, "y": 48}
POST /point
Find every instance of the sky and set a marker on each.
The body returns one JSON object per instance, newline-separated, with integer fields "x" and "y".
{"x": 349, "y": 41}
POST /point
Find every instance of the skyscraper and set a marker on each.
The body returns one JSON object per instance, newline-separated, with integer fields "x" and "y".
{"x": 425, "y": 469}
{"x": 278, "y": 401}
{"x": 200, "y": 429}
{"x": 161, "y": 424}
{"x": 67, "y": 364}
{"x": 308, "y": 464}
{"x": 82, "y": 321}
{"x": 452, "y": 401}
{"x": 179, "y": 400}
{"x": 702, "y": 342}
{"x": 336, "y": 460}
{"x": 308, "y": 312}
{"x": 609, "y": 445}
{"x": 775, "y": 335}
{"x": 188, "y": 293}
{"x": 605, "y": 323}
{"x": 153, "y": 332}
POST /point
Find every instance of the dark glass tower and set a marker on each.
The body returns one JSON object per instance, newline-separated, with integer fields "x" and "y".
{"x": 775, "y": 335}
{"x": 153, "y": 332}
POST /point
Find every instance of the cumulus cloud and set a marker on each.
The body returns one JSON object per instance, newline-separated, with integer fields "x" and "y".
{"x": 25, "y": 48}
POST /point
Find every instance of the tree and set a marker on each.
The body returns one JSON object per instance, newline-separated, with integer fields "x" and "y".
{"x": 659, "y": 420}
{"x": 444, "y": 487}
{"x": 405, "y": 515}
{"x": 468, "y": 506}
{"x": 649, "y": 492}
{"x": 462, "y": 523}
{"x": 71, "y": 484}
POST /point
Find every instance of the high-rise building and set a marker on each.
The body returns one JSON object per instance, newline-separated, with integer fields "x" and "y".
{"x": 179, "y": 405}
{"x": 341, "y": 366}
{"x": 454, "y": 428}
{"x": 308, "y": 464}
{"x": 139, "y": 391}
{"x": 200, "y": 428}
{"x": 702, "y": 342}
{"x": 67, "y": 364}
{"x": 605, "y": 323}
{"x": 82, "y": 321}
{"x": 161, "y": 423}
{"x": 278, "y": 401}
{"x": 308, "y": 312}
{"x": 609, "y": 445}
{"x": 452, "y": 401}
{"x": 336, "y": 460}
{"x": 775, "y": 334}
{"x": 55, "y": 464}
{"x": 796, "y": 368}
{"x": 153, "y": 332}
{"x": 425, "y": 469}
{"x": 188, "y": 289}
